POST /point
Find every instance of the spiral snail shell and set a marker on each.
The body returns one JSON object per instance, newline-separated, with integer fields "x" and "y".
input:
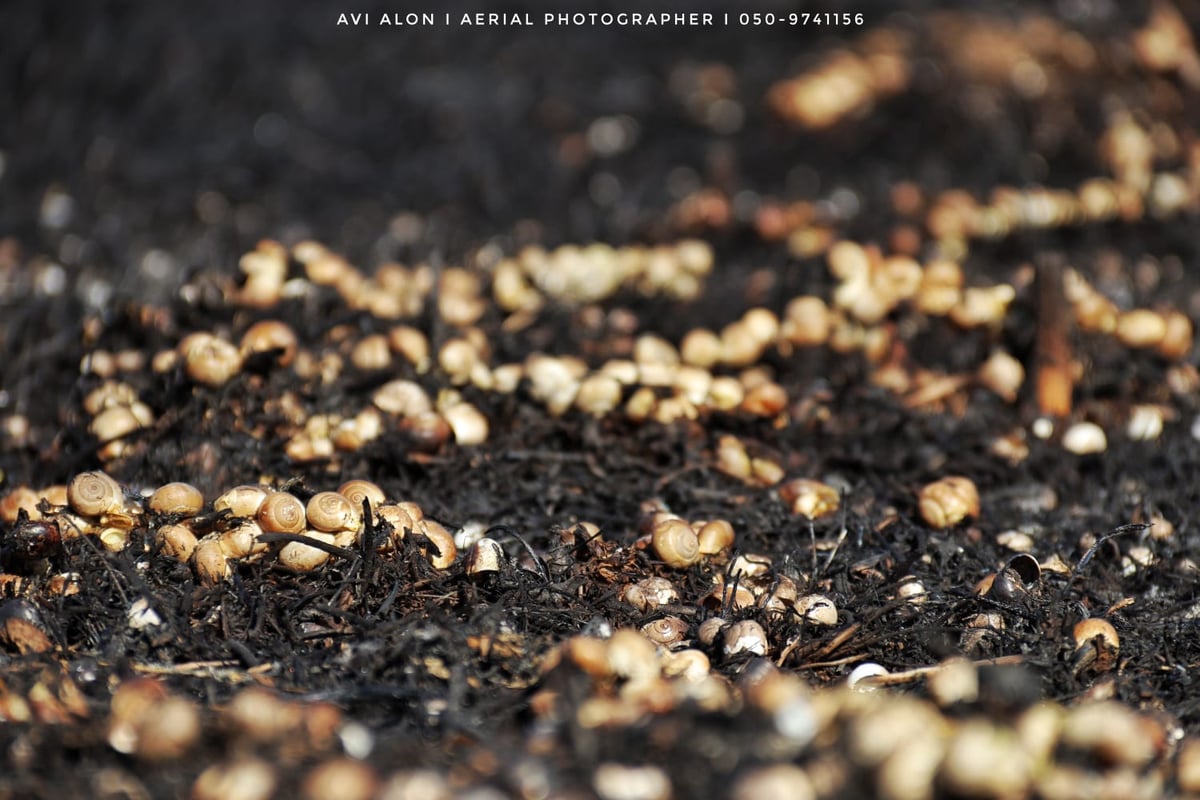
{"x": 676, "y": 543}
{"x": 94, "y": 493}
{"x": 665, "y": 630}
{"x": 358, "y": 490}
{"x": 282, "y": 513}
{"x": 332, "y": 512}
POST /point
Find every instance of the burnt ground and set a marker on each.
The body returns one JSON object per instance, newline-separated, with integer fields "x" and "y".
{"x": 146, "y": 149}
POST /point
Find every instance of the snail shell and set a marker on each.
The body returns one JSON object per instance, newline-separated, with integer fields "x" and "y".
{"x": 20, "y": 499}
{"x": 714, "y": 536}
{"x": 399, "y": 518}
{"x": 176, "y": 541}
{"x": 442, "y": 540}
{"x": 209, "y": 360}
{"x": 332, "y": 512}
{"x": 665, "y": 630}
{"x": 94, "y": 493}
{"x": 709, "y": 630}
{"x": 810, "y": 499}
{"x": 242, "y": 501}
{"x": 949, "y": 501}
{"x": 302, "y": 557}
{"x": 283, "y": 513}
{"x": 242, "y": 541}
{"x": 267, "y": 336}
{"x": 210, "y": 562}
{"x": 650, "y": 593}
{"x": 176, "y": 498}
{"x": 676, "y": 543}
{"x": 358, "y": 490}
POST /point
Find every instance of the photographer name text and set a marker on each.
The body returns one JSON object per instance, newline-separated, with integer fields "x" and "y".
{"x": 623, "y": 19}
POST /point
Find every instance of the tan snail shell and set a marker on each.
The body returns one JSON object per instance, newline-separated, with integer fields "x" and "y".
{"x": 305, "y": 558}
{"x": 442, "y": 540}
{"x": 270, "y": 335}
{"x": 676, "y": 543}
{"x": 208, "y": 359}
{"x": 665, "y": 630}
{"x": 332, "y": 512}
{"x": 241, "y": 501}
{"x": 948, "y": 501}
{"x": 210, "y": 562}
{"x": 175, "y": 541}
{"x": 810, "y": 499}
{"x": 281, "y": 512}
{"x": 358, "y": 490}
{"x": 399, "y": 518}
{"x": 242, "y": 541}
{"x": 714, "y": 536}
{"x": 94, "y": 493}
{"x": 20, "y": 499}
{"x": 176, "y": 498}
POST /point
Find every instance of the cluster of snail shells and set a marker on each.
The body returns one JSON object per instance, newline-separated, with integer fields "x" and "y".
{"x": 334, "y": 519}
{"x": 680, "y": 544}
{"x": 97, "y": 506}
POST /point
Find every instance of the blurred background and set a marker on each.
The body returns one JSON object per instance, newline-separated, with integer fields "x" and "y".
{"x": 140, "y": 141}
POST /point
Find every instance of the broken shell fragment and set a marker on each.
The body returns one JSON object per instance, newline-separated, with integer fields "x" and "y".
{"x": 745, "y": 637}
{"x": 817, "y": 609}
{"x": 1096, "y": 646}
{"x": 650, "y": 593}
{"x": 484, "y": 557}
{"x": 858, "y": 679}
